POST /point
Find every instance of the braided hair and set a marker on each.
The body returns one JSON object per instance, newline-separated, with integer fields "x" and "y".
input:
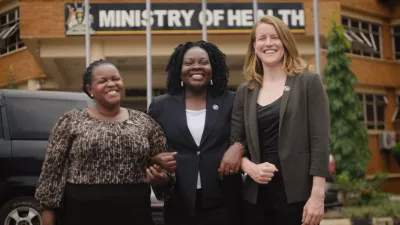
{"x": 220, "y": 71}
{"x": 87, "y": 76}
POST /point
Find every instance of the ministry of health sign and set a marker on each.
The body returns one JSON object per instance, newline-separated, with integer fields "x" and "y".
{"x": 131, "y": 18}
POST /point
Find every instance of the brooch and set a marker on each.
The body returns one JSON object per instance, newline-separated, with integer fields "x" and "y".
{"x": 215, "y": 107}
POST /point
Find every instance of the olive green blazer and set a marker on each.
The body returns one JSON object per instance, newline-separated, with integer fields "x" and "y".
{"x": 304, "y": 130}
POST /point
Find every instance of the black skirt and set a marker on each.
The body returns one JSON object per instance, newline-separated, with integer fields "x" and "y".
{"x": 98, "y": 204}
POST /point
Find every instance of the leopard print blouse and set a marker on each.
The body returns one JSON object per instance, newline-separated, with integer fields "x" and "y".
{"x": 85, "y": 150}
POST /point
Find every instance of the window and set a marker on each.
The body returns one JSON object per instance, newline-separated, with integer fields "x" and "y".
{"x": 396, "y": 41}
{"x": 364, "y": 37}
{"x": 1, "y": 127}
{"x": 374, "y": 111}
{"x": 396, "y": 114}
{"x": 9, "y": 32}
{"x": 33, "y": 119}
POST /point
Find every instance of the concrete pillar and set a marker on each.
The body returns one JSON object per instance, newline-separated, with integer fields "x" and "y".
{"x": 33, "y": 85}
{"x": 97, "y": 50}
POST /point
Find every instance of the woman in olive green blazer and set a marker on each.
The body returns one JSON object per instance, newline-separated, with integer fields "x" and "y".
{"x": 282, "y": 112}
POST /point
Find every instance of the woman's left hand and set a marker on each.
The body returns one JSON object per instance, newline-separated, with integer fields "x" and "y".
{"x": 230, "y": 163}
{"x": 156, "y": 176}
{"x": 313, "y": 211}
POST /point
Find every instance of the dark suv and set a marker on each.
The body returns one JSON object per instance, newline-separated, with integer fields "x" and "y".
{"x": 26, "y": 120}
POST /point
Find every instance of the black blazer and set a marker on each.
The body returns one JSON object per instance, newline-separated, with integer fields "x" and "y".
{"x": 304, "y": 130}
{"x": 169, "y": 111}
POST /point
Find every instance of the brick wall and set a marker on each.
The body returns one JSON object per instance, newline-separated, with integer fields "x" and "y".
{"x": 39, "y": 18}
{"x": 24, "y": 66}
{"x": 370, "y": 7}
{"x": 371, "y": 72}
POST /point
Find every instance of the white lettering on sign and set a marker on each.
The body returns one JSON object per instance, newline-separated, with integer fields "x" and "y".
{"x": 247, "y": 17}
{"x": 107, "y": 18}
{"x": 174, "y": 18}
{"x": 187, "y": 16}
{"x": 209, "y": 17}
{"x": 234, "y": 18}
{"x": 260, "y": 13}
{"x": 127, "y": 18}
{"x": 184, "y": 18}
{"x": 160, "y": 16}
{"x": 137, "y": 18}
{"x": 118, "y": 18}
{"x": 146, "y": 18}
{"x": 297, "y": 19}
{"x": 218, "y": 16}
{"x": 285, "y": 15}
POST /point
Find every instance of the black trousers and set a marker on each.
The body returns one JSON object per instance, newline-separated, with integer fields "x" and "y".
{"x": 106, "y": 204}
{"x": 176, "y": 213}
{"x": 272, "y": 207}
{"x": 274, "y": 214}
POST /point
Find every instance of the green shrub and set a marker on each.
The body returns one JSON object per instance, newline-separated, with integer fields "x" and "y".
{"x": 361, "y": 192}
{"x": 385, "y": 209}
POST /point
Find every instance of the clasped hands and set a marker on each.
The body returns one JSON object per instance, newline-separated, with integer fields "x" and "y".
{"x": 230, "y": 165}
{"x": 162, "y": 163}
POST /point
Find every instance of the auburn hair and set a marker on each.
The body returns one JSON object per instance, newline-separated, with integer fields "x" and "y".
{"x": 292, "y": 63}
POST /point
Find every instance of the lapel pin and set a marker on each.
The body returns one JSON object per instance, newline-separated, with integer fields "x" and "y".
{"x": 286, "y": 88}
{"x": 215, "y": 107}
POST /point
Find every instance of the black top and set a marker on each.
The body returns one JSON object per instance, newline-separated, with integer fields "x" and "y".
{"x": 268, "y": 128}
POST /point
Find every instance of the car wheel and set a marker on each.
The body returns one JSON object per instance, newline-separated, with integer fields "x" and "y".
{"x": 21, "y": 211}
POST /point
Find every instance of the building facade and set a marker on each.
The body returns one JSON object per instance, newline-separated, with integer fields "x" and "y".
{"x": 42, "y": 47}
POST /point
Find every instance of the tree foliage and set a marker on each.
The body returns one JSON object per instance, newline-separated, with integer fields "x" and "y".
{"x": 349, "y": 138}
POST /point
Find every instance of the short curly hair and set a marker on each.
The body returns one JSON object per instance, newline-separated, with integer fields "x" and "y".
{"x": 87, "y": 76}
{"x": 220, "y": 71}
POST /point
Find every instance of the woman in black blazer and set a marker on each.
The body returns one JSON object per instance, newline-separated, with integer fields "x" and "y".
{"x": 282, "y": 111}
{"x": 195, "y": 116}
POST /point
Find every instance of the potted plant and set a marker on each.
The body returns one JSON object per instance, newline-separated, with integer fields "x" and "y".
{"x": 360, "y": 191}
{"x": 11, "y": 82}
{"x": 366, "y": 215}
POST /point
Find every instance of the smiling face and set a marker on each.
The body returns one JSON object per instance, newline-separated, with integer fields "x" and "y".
{"x": 268, "y": 46}
{"x": 196, "y": 71}
{"x": 107, "y": 86}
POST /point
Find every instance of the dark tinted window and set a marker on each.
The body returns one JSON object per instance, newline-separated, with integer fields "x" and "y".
{"x": 33, "y": 119}
{"x": 1, "y": 126}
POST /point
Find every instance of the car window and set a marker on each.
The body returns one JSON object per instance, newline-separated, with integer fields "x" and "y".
{"x": 1, "y": 127}
{"x": 33, "y": 119}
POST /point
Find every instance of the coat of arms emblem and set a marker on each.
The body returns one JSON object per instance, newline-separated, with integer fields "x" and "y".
{"x": 75, "y": 22}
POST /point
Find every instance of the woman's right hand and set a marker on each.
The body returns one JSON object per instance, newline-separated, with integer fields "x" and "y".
{"x": 48, "y": 217}
{"x": 156, "y": 176}
{"x": 166, "y": 160}
{"x": 262, "y": 173}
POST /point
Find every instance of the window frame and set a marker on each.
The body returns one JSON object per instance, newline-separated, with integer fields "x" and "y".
{"x": 375, "y": 103}
{"x": 11, "y": 29}
{"x": 394, "y": 41}
{"x": 356, "y": 35}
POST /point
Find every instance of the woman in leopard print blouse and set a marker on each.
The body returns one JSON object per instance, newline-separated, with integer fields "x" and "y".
{"x": 96, "y": 162}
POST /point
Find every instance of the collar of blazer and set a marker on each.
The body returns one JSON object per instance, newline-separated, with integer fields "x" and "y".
{"x": 252, "y": 107}
{"x": 214, "y": 107}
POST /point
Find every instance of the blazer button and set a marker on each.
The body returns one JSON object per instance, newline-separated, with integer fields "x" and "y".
{"x": 198, "y": 153}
